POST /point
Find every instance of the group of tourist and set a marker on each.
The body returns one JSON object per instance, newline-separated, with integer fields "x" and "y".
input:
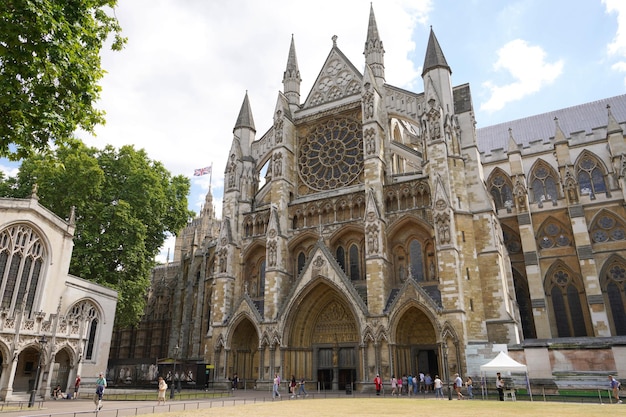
{"x": 293, "y": 386}
{"x": 423, "y": 383}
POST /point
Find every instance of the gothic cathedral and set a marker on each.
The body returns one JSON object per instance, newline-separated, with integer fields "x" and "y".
{"x": 375, "y": 230}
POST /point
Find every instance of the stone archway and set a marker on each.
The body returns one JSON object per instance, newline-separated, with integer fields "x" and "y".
{"x": 61, "y": 370}
{"x": 244, "y": 353}
{"x": 323, "y": 339}
{"x": 416, "y": 347}
{"x": 26, "y": 370}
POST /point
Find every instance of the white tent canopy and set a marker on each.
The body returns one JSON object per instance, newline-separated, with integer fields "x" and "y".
{"x": 503, "y": 363}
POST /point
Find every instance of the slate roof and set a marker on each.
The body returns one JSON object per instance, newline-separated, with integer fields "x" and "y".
{"x": 542, "y": 127}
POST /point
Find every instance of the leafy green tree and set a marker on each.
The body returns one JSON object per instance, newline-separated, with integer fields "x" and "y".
{"x": 125, "y": 204}
{"x": 50, "y": 69}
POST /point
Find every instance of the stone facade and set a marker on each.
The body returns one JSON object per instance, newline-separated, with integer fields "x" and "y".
{"x": 42, "y": 302}
{"x": 374, "y": 230}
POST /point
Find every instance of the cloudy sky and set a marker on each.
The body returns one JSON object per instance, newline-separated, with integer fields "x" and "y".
{"x": 177, "y": 87}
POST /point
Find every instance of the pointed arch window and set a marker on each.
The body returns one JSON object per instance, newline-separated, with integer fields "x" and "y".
{"x": 22, "y": 256}
{"x": 522, "y": 294}
{"x": 416, "y": 256}
{"x": 301, "y": 262}
{"x": 341, "y": 258}
{"x": 607, "y": 228}
{"x": 590, "y": 176}
{"x": 86, "y": 312}
{"x": 355, "y": 270}
{"x": 567, "y": 298}
{"x": 501, "y": 190}
{"x": 543, "y": 180}
{"x": 553, "y": 234}
{"x": 613, "y": 284}
{"x": 261, "y": 290}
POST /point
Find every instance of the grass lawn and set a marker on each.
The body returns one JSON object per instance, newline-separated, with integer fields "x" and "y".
{"x": 405, "y": 407}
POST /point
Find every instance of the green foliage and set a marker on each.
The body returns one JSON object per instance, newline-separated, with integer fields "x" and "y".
{"x": 125, "y": 205}
{"x": 50, "y": 69}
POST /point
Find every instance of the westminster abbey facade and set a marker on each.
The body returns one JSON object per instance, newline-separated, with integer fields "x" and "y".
{"x": 373, "y": 230}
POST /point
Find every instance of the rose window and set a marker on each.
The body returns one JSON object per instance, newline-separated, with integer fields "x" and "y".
{"x": 331, "y": 155}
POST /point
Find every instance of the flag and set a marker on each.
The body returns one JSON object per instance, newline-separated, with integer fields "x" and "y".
{"x": 201, "y": 171}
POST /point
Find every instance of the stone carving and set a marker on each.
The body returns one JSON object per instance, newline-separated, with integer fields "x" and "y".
{"x": 442, "y": 221}
{"x": 520, "y": 193}
{"x": 372, "y": 238}
{"x": 278, "y": 127}
{"x": 278, "y": 164}
{"x": 368, "y": 101}
{"x": 222, "y": 257}
{"x": 271, "y": 253}
{"x": 370, "y": 141}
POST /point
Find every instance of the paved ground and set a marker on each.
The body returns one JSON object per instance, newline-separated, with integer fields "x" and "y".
{"x": 84, "y": 407}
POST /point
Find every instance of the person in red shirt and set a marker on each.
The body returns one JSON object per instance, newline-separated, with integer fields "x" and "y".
{"x": 378, "y": 383}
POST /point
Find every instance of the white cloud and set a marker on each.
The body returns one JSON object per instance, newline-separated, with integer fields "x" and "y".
{"x": 530, "y": 72}
{"x": 9, "y": 170}
{"x": 617, "y": 47}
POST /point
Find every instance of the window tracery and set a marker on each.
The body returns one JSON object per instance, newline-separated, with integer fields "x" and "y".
{"x": 501, "y": 189}
{"x": 87, "y": 311}
{"x": 607, "y": 228}
{"x": 543, "y": 181}
{"x": 331, "y": 154}
{"x": 613, "y": 282}
{"x": 590, "y": 175}
{"x": 22, "y": 257}
{"x": 566, "y": 294}
{"x": 553, "y": 234}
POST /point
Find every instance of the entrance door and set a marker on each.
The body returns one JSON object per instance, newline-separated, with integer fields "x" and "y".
{"x": 427, "y": 362}
{"x": 325, "y": 379}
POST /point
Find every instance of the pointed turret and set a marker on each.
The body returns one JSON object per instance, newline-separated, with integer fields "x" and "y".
{"x": 291, "y": 77}
{"x": 612, "y": 126}
{"x": 245, "y": 118}
{"x": 513, "y": 146}
{"x": 244, "y": 128}
{"x": 374, "y": 52}
{"x": 434, "y": 55}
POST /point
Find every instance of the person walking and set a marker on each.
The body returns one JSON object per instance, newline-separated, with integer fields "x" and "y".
{"x": 301, "y": 390}
{"x": 394, "y": 385}
{"x": 409, "y": 382}
{"x": 275, "y": 393}
{"x": 438, "y": 388}
{"x": 470, "y": 387}
{"x": 101, "y": 384}
{"x": 76, "y": 386}
{"x": 422, "y": 387}
{"x": 162, "y": 389}
{"x": 615, "y": 386}
{"x": 428, "y": 382}
{"x": 500, "y": 386}
{"x": 292, "y": 386}
{"x": 458, "y": 383}
{"x": 378, "y": 384}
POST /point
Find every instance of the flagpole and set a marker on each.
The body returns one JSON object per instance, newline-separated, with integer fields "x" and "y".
{"x": 210, "y": 176}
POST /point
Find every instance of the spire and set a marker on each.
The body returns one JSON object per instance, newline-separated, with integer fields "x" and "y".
{"x": 374, "y": 52}
{"x": 434, "y": 55}
{"x": 559, "y": 135}
{"x": 291, "y": 77}
{"x": 612, "y": 126}
{"x": 513, "y": 146}
{"x": 245, "y": 120}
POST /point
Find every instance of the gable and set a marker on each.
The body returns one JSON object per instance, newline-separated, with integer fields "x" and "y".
{"x": 337, "y": 79}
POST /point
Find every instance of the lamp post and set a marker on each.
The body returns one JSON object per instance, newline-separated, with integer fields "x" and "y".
{"x": 33, "y": 393}
{"x": 174, "y": 374}
{"x": 447, "y": 372}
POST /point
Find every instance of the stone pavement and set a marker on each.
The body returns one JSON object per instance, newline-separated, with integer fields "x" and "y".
{"x": 84, "y": 406}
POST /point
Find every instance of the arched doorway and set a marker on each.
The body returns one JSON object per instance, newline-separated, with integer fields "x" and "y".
{"x": 26, "y": 370}
{"x": 416, "y": 344}
{"x": 323, "y": 340}
{"x": 244, "y": 353}
{"x": 61, "y": 370}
